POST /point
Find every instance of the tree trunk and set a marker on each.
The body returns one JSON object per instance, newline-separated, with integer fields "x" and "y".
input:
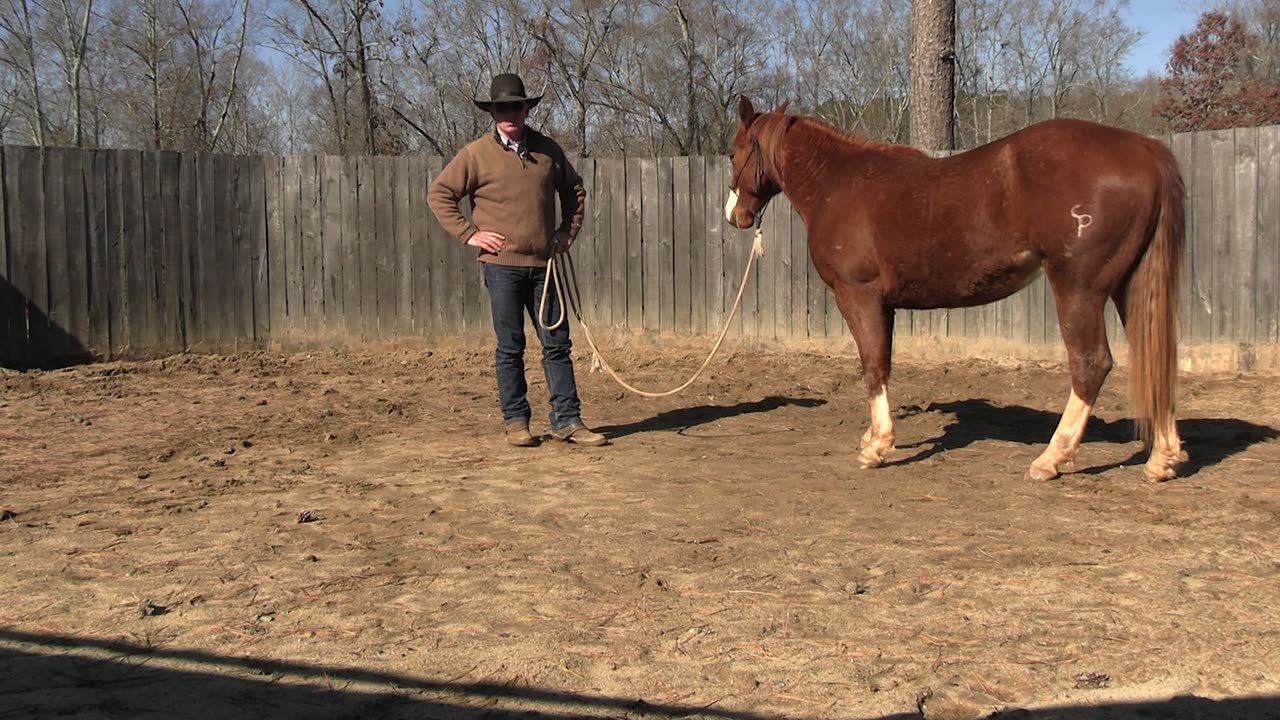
{"x": 932, "y": 62}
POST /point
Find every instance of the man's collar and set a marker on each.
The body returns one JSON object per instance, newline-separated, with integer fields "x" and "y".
{"x": 509, "y": 141}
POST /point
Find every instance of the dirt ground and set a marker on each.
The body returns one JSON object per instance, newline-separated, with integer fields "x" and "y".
{"x": 346, "y": 535}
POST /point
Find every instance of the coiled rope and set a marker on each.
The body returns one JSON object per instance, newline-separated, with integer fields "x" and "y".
{"x": 554, "y": 279}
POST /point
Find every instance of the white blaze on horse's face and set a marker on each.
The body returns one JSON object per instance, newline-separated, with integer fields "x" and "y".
{"x": 729, "y": 205}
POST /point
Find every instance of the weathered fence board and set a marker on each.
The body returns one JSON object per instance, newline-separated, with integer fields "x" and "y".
{"x": 58, "y": 313}
{"x": 1241, "y": 274}
{"x": 12, "y": 341}
{"x": 94, "y": 179}
{"x": 697, "y": 246}
{"x": 796, "y": 259}
{"x": 402, "y": 252}
{"x": 1222, "y": 147}
{"x": 714, "y": 276}
{"x": 245, "y": 257}
{"x": 311, "y": 247}
{"x": 1267, "y": 293}
{"x": 141, "y": 318}
{"x": 329, "y": 178}
{"x": 1200, "y": 238}
{"x": 24, "y": 172}
{"x": 151, "y": 218}
{"x": 584, "y": 250}
{"x": 612, "y": 197}
{"x": 273, "y": 206}
{"x": 444, "y": 272}
{"x": 419, "y": 244}
{"x": 596, "y": 276}
{"x": 776, "y": 297}
{"x": 634, "y": 227}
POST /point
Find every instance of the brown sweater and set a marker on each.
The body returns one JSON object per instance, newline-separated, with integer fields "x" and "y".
{"x": 511, "y": 196}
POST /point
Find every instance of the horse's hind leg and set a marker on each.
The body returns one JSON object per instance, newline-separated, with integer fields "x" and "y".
{"x": 871, "y": 324}
{"x": 1164, "y": 446}
{"x": 1089, "y": 356}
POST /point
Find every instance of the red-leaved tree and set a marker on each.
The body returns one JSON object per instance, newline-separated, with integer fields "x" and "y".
{"x": 1214, "y": 82}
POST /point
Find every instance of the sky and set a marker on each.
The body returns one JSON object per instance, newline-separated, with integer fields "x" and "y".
{"x": 1162, "y": 21}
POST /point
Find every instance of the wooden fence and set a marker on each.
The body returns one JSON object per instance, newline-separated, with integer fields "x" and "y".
{"x": 117, "y": 253}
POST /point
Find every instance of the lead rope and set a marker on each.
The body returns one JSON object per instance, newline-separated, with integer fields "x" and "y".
{"x": 597, "y": 360}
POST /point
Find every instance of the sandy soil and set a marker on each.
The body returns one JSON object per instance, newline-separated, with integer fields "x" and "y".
{"x": 346, "y": 535}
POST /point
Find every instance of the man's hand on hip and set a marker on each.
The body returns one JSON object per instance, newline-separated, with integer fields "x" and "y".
{"x": 489, "y": 242}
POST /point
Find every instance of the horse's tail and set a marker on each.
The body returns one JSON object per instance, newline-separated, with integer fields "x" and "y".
{"x": 1152, "y": 307}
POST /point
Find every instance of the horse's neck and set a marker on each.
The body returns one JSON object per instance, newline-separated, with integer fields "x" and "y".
{"x": 812, "y": 155}
{"x": 807, "y": 154}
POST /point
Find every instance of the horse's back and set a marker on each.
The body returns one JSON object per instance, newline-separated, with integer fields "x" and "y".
{"x": 1057, "y": 164}
{"x": 1069, "y": 145}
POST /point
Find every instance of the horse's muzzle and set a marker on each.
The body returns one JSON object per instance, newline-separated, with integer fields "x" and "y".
{"x": 737, "y": 215}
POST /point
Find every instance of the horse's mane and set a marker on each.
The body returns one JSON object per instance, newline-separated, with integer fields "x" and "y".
{"x": 828, "y": 133}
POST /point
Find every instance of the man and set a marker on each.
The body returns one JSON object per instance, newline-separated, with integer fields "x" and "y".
{"x": 513, "y": 176}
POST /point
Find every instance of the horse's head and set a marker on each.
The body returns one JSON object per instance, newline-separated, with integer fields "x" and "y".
{"x": 751, "y": 185}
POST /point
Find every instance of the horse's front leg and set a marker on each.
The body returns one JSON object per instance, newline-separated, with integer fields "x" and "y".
{"x": 871, "y": 323}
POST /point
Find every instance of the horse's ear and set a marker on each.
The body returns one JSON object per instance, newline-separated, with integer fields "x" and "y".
{"x": 783, "y": 107}
{"x": 746, "y": 111}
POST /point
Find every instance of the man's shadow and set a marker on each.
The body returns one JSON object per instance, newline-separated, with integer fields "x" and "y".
{"x": 685, "y": 418}
{"x": 1207, "y": 441}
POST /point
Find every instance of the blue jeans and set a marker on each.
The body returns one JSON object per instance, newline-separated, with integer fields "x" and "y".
{"x": 513, "y": 293}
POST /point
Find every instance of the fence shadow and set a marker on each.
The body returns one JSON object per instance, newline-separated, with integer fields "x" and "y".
{"x": 1208, "y": 441}
{"x": 682, "y": 419}
{"x": 30, "y": 340}
{"x": 1182, "y": 707}
{"x": 45, "y": 675}
{"x": 52, "y": 676}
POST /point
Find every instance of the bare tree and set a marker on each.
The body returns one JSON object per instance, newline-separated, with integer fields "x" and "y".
{"x": 737, "y": 56}
{"x": 1061, "y": 28}
{"x": 9, "y": 93}
{"x": 1262, "y": 18}
{"x": 413, "y": 85}
{"x": 571, "y": 35}
{"x": 982, "y": 27}
{"x": 208, "y": 56}
{"x": 343, "y": 42}
{"x": 1028, "y": 53}
{"x": 18, "y": 51}
{"x": 149, "y": 37}
{"x": 178, "y": 80}
{"x": 71, "y": 41}
{"x": 932, "y": 58}
{"x": 635, "y": 77}
{"x": 1102, "y": 59}
{"x": 672, "y": 76}
{"x": 809, "y": 33}
{"x": 442, "y": 54}
{"x": 884, "y": 90}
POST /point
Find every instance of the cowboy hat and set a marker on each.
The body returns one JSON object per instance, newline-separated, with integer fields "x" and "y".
{"x": 506, "y": 87}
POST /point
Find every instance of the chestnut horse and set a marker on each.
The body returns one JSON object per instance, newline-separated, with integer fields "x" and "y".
{"x": 1097, "y": 208}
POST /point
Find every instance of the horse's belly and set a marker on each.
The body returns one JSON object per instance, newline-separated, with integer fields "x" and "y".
{"x": 962, "y": 284}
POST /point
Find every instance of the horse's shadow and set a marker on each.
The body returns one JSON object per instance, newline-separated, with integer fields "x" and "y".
{"x": 682, "y": 419}
{"x": 1208, "y": 441}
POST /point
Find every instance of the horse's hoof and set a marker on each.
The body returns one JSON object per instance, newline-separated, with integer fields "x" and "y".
{"x": 1039, "y": 474}
{"x": 869, "y": 461}
{"x": 1159, "y": 475}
